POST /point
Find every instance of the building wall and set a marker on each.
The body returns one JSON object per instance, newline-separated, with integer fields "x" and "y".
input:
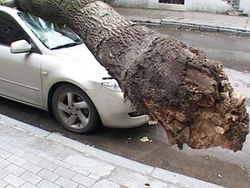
{"x": 147, "y": 4}
{"x": 215, "y": 6}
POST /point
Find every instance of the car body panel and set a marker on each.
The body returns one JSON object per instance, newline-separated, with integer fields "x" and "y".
{"x": 24, "y": 82}
{"x": 29, "y": 77}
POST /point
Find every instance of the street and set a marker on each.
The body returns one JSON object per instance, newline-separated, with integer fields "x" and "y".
{"x": 214, "y": 165}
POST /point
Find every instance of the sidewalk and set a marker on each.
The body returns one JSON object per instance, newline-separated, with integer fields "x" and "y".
{"x": 192, "y": 20}
{"x": 31, "y": 157}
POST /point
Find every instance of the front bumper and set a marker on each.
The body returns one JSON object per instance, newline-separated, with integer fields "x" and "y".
{"x": 114, "y": 109}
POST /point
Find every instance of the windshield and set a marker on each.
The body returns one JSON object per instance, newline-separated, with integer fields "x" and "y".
{"x": 51, "y": 35}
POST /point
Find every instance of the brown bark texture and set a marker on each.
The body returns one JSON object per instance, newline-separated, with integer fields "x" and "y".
{"x": 174, "y": 83}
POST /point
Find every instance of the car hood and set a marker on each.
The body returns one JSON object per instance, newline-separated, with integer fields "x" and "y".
{"x": 81, "y": 57}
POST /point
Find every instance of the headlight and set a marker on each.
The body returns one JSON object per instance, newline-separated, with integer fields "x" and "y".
{"x": 112, "y": 85}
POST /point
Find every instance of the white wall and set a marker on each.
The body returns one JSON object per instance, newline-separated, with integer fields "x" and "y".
{"x": 132, "y": 3}
{"x": 147, "y": 4}
{"x": 215, "y": 6}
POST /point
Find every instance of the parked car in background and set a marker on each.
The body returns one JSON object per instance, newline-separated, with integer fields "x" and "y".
{"x": 49, "y": 67}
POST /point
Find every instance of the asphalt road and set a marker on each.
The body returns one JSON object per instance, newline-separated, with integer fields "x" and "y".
{"x": 215, "y": 165}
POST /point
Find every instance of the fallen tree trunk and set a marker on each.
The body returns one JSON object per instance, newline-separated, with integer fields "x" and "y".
{"x": 173, "y": 83}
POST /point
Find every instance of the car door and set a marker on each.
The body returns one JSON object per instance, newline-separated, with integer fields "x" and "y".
{"x": 20, "y": 77}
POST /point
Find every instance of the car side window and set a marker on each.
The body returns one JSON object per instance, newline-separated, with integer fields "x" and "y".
{"x": 10, "y": 30}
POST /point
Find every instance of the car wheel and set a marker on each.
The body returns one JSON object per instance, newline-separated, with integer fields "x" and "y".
{"x": 74, "y": 110}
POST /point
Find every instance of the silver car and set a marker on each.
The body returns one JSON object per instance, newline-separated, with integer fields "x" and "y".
{"x": 49, "y": 67}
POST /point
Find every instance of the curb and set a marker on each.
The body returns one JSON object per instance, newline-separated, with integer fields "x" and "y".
{"x": 169, "y": 177}
{"x": 194, "y": 26}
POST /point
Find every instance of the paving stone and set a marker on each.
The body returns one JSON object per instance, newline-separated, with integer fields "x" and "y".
{"x": 227, "y": 30}
{"x": 245, "y": 33}
{"x": 2, "y": 142}
{"x": 130, "y": 164}
{"x": 190, "y": 26}
{"x": 87, "y": 163}
{"x": 16, "y": 160}
{"x": 14, "y": 180}
{"x": 181, "y": 180}
{"x": 106, "y": 184}
{"x": 6, "y": 139}
{"x": 9, "y": 186}
{"x": 248, "y": 24}
{"x": 5, "y": 146}
{"x": 208, "y": 28}
{"x": 24, "y": 126}
{"x": 46, "y": 156}
{"x": 48, "y": 165}
{"x": 35, "y": 159}
{"x": 92, "y": 165}
{"x": 171, "y": 24}
{"x": 17, "y": 151}
{"x": 47, "y": 184}
{"x": 4, "y": 163}
{"x": 31, "y": 167}
{"x": 52, "y": 149}
{"x": 27, "y": 157}
{"x": 83, "y": 180}
{"x": 173, "y": 186}
{"x": 2, "y": 184}
{"x": 14, "y": 169}
{"x": 48, "y": 175}
{"x": 64, "y": 182}
{"x": 64, "y": 172}
{"x": 129, "y": 178}
{"x": 80, "y": 170}
{"x": 31, "y": 178}
{"x": 147, "y": 20}
{"x": 3, "y": 173}
{"x": 31, "y": 150}
{"x": 17, "y": 144}
{"x": 63, "y": 156}
{"x": 146, "y": 23}
{"x": 28, "y": 185}
{"x": 103, "y": 155}
{"x": 81, "y": 186}
{"x": 160, "y": 184}
{"x": 94, "y": 177}
{"x": 61, "y": 163}
{"x": 4, "y": 154}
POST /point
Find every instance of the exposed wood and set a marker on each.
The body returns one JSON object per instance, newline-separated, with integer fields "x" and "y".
{"x": 173, "y": 83}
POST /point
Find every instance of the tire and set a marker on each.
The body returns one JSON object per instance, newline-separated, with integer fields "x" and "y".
{"x": 74, "y": 110}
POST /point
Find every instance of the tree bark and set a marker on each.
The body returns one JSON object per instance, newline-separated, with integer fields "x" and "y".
{"x": 174, "y": 83}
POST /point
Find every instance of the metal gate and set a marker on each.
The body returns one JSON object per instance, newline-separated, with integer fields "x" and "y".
{"x": 245, "y": 6}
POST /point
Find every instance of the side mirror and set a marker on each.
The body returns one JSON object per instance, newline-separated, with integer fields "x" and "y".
{"x": 20, "y": 46}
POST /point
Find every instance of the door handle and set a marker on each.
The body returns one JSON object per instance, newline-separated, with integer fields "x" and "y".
{"x": 44, "y": 73}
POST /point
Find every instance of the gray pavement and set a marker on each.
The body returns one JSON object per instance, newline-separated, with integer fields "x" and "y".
{"x": 32, "y": 157}
{"x": 189, "y": 20}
